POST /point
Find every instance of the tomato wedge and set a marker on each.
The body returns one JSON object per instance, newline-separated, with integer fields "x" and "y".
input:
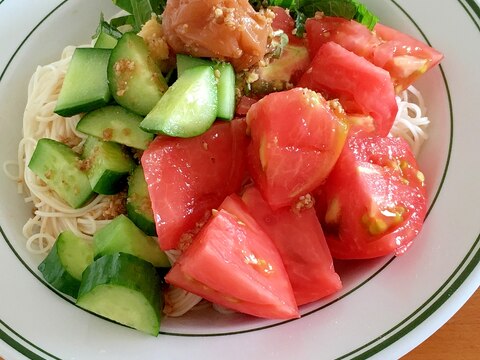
{"x": 299, "y": 238}
{"x": 404, "y": 57}
{"x": 349, "y": 34}
{"x": 296, "y": 139}
{"x": 233, "y": 263}
{"x": 360, "y": 86}
{"x": 283, "y": 21}
{"x": 375, "y": 199}
{"x": 188, "y": 177}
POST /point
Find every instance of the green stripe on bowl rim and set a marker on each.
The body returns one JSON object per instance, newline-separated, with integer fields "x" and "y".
{"x": 456, "y": 279}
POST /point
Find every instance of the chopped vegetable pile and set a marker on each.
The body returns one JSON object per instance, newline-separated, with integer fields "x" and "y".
{"x": 251, "y": 138}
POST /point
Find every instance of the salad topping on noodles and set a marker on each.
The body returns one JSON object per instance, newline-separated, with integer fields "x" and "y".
{"x": 249, "y": 52}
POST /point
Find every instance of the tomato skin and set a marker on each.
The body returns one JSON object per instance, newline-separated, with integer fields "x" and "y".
{"x": 232, "y": 262}
{"x": 349, "y": 34}
{"x": 299, "y": 238}
{"x": 283, "y": 21}
{"x": 188, "y": 177}
{"x": 360, "y": 86}
{"x": 375, "y": 199}
{"x": 243, "y": 105}
{"x": 404, "y": 57}
{"x": 296, "y": 139}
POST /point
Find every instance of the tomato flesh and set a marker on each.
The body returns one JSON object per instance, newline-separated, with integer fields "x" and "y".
{"x": 375, "y": 199}
{"x": 296, "y": 139}
{"x": 404, "y": 57}
{"x": 188, "y": 177}
{"x": 233, "y": 263}
{"x": 349, "y": 34}
{"x": 283, "y": 21}
{"x": 299, "y": 238}
{"x": 360, "y": 86}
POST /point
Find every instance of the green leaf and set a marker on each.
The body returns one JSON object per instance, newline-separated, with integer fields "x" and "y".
{"x": 122, "y": 21}
{"x": 106, "y": 28}
{"x": 142, "y": 12}
{"x": 157, "y": 5}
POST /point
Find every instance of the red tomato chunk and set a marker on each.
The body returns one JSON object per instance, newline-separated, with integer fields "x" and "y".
{"x": 299, "y": 238}
{"x": 375, "y": 199}
{"x": 404, "y": 57}
{"x": 296, "y": 140}
{"x": 233, "y": 263}
{"x": 360, "y": 86}
{"x": 283, "y": 21}
{"x": 188, "y": 177}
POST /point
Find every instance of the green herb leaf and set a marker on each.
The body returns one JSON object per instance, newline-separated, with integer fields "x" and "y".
{"x": 106, "y": 28}
{"x": 122, "y": 21}
{"x": 142, "y": 12}
{"x": 157, "y": 5}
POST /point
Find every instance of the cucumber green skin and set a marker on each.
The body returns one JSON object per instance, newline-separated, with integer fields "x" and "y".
{"x": 226, "y": 91}
{"x": 122, "y": 235}
{"x": 139, "y": 206}
{"x": 109, "y": 165}
{"x": 185, "y": 62}
{"x": 117, "y": 124}
{"x": 225, "y": 82}
{"x": 141, "y": 86}
{"x": 130, "y": 272}
{"x": 188, "y": 108}
{"x": 56, "y": 270}
{"x": 105, "y": 41}
{"x": 85, "y": 86}
{"x": 56, "y": 164}
{"x": 142, "y": 220}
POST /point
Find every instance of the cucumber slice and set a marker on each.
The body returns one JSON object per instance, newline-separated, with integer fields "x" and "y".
{"x": 188, "y": 108}
{"x": 117, "y": 124}
{"x": 65, "y": 263}
{"x": 121, "y": 235}
{"x": 135, "y": 80}
{"x": 60, "y": 168}
{"x": 225, "y": 82}
{"x": 125, "y": 289}
{"x": 226, "y": 91}
{"x": 108, "y": 165}
{"x": 105, "y": 41}
{"x": 139, "y": 206}
{"x": 85, "y": 86}
{"x": 185, "y": 62}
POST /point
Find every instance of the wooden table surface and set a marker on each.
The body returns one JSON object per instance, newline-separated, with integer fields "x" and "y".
{"x": 458, "y": 339}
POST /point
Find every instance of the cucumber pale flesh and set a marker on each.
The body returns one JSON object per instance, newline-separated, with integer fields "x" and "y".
{"x": 189, "y": 106}
{"x": 117, "y": 124}
{"x": 139, "y": 206}
{"x": 60, "y": 168}
{"x": 65, "y": 263}
{"x": 121, "y": 235}
{"x": 125, "y": 289}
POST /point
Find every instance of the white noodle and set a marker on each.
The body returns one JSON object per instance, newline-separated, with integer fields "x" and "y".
{"x": 411, "y": 121}
{"x": 51, "y": 214}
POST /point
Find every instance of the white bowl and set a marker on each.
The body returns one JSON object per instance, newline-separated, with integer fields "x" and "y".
{"x": 388, "y": 305}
